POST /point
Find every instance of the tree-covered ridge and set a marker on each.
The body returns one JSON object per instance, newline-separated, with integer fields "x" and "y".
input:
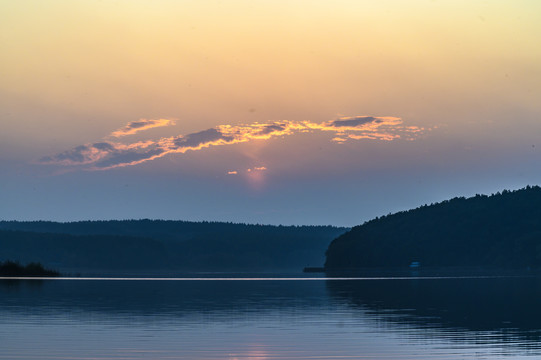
{"x": 501, "y": 230}
{"x": 165, "y": 245}
{"x": 167, "y": 230}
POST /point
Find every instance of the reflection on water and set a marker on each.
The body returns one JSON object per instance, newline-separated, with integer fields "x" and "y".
{"x": 356, "y": 319}
{"x": 496, "y": 311}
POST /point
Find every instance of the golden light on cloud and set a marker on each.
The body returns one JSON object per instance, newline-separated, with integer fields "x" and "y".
{"x": 386, "y": 137}
{"x": 105, "y": 155}
{"x": 232, "y": 172}
{"x": 339, "y": 140}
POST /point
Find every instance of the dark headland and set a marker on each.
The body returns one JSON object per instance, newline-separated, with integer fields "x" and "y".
{"x": 501, "y": 231}
{"x": 14, "y": 269}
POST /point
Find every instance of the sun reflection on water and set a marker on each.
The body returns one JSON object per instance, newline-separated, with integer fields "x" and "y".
{"x": 253, "y": 354}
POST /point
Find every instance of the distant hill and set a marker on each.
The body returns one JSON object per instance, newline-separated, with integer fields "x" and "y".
{"x": 165, "y": 245}
{"x": 84, "y": 251}
{"x": 502, "y": 230}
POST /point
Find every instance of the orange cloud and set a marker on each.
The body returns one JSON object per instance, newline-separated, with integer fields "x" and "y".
{"x": 107, "y": 155}
{"x": 339, "y": 140}
{"x": 382, "y": 136}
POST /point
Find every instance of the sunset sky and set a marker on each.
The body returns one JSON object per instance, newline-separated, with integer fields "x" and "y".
{"x": 272, "y": 112}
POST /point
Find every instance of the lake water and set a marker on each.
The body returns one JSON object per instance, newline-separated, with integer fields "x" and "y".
{"x": 450, "y": 318}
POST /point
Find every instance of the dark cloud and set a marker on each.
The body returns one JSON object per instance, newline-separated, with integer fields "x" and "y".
{"x": 140, "y": 125}
{"x": 104, "y": 146}
{"x": 268, "y": 129}
{"x": 127, "y": 157}
{"x": 198, "y": 139}
{"x": 77, "y": 155}
{"x": 353, "y": 122}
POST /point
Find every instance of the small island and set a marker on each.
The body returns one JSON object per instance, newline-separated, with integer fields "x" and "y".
{"x": 33, "y": 269}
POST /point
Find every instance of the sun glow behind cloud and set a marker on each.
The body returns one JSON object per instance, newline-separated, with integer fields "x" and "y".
{"x": 105, "y": 155}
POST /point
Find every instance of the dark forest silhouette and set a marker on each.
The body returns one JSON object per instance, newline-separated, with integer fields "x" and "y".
{"x": 502, "y": 230}
{"x": 12, "y": 269}
{"x": 165, "y": 245}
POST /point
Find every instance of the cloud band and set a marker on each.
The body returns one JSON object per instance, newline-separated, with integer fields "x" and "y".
{"x": 107, "y": 155}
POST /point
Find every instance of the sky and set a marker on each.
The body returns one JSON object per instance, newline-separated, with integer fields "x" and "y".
{"x": 269, "y": 112}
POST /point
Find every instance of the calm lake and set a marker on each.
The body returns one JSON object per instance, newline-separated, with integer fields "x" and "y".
{"x": 445, "y": 318}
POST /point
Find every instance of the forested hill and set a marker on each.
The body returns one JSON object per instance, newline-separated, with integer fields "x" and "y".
{"x": 167, "y": 230}
{"x": 501, "y": 230}
{"x": 160, "y": 244}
